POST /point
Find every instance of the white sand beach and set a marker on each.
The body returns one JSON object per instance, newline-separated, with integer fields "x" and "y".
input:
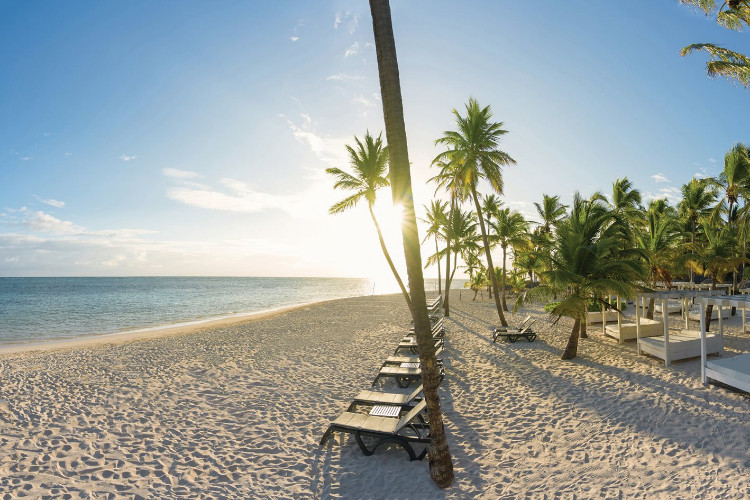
{"x": 237, "y": 411}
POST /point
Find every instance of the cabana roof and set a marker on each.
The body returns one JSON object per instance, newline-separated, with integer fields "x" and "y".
{"x": 678, "y": 294}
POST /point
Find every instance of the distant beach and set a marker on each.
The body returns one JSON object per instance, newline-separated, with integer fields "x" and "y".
{"x": 237, "y": 411}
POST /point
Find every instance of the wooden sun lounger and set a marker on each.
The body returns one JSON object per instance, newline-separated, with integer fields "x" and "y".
{"x": 405, "y": 373}
{"x": 409, "y": 358}
{"x": 518, "y": 328}
{"x": 409, "y": 344}
{"x": 437, "y": 331}
{"x": 368, "y": 397}
{"x": 512, "y": 336}
{"x": 401, "y": 430}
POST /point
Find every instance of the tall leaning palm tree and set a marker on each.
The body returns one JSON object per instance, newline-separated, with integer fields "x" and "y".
{"x": 369, "y": 162}
{"x": 474, "y": 155}
{"x": 441, "y": 465}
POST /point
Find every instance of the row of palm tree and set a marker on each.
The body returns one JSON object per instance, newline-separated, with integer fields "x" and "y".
{"x": 596, "y": 247}
{"x": 705, "y": 233}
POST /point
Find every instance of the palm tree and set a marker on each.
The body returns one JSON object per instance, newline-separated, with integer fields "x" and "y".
{"x": 724, "y": 62}
{"x": 733, "y": 180}
{"x": 473, "y": 155}
{"x": 626, "y": 205}
{"x": 551, "y": 211}
{"x": 461, "y": 230}
{"x": 441, "y": 465}
{"x": 657, "y": 246}
{"x": 446, "y": 179}
{"x": 436, "y": 218}
{"x": 697, "y": 197}
{"x": 490, "y": 206}
{"x": 715, "y": 257}
{"x": 587, "y": 263}
{"x": 510, "y": 230}
{"x": 733, "y": 183}
{"x": 369, "y": 162}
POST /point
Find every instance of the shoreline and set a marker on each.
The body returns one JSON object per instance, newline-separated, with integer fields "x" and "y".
{"x": 147, "y": 333}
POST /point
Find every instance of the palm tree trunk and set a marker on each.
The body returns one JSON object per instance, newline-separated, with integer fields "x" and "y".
{"x": 505, "y": 306}
{"x": 582, "y": 329}
{"x": 390, "y": 262}
{"x": 488, "y": 254}
{"x": 692, "y": 247}
{"x": 437, "y": 252}
{"x": 650, "y": 310}
{"x": 571, "y": 350}
{"x": 441, "y": 465}
{"x": 447, "y": 295}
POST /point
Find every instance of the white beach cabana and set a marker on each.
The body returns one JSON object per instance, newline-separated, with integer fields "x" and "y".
{"x": 627, "y": 330}
{"x": 734, "y": 371}
{"x": 681, "y": 344}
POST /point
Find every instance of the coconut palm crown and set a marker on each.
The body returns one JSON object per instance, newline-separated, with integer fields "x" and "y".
{"x": 369, "y": 162}
{"x": 472, "y": 155}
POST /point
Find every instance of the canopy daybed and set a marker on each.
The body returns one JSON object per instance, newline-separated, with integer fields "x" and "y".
{"x": 734, "y": 371}
{"x": 682, "y": 344}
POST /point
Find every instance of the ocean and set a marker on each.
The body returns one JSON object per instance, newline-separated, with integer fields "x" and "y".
{"x": 41, "y": 309}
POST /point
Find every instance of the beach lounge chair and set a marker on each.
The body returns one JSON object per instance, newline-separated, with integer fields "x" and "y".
{"x": 512, "y": 336}
{"x": 408, "y": 358}
{"x": 405, "y": 373}
{"x": 401, "y": 430}
{"x": 409, "y": 344}
{"x": 387, "y": 398}
{"x": 438, "y": 329}
{"x": 518, "y": 328}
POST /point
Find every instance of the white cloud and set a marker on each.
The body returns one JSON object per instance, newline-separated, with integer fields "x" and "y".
{"x": 671, "y": 193}
{"x": 712, "y": 160}
{"x": 25, "y": 158}
{"x": 345, "y": 77}
{"x": 339, "y": 18}
{"x": 329, "y": 150}
{"x": 176, "y": 173}
{"x": 361, "y": 100}
{"x": 51, "y": 202}
{"x": 659, "y": 178}
{"x": 11, "y": 259}
{"x": 293, "y": 38}
{"x": 353, "y": 50}
{"x": 125, "y": 157}
{"x": 237, "y": 197}
{"x": 44, "y": 222}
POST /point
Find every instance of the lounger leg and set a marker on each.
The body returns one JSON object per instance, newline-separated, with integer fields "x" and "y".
{"x": 402, "y": 443}
{"x": 362, "y": 445}
{"x": 326, "y": 435}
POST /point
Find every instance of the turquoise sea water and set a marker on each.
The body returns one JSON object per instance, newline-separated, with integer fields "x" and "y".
{"x": 40, "y": 309}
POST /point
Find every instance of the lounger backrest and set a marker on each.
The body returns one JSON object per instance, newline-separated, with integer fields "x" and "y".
{"x": 526, "y": 328}
{"x": 411, "y": 415}
{"x": 525, "y": 320}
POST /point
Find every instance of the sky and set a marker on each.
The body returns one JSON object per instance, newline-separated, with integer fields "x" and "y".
{"x": 189, "y": 137}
